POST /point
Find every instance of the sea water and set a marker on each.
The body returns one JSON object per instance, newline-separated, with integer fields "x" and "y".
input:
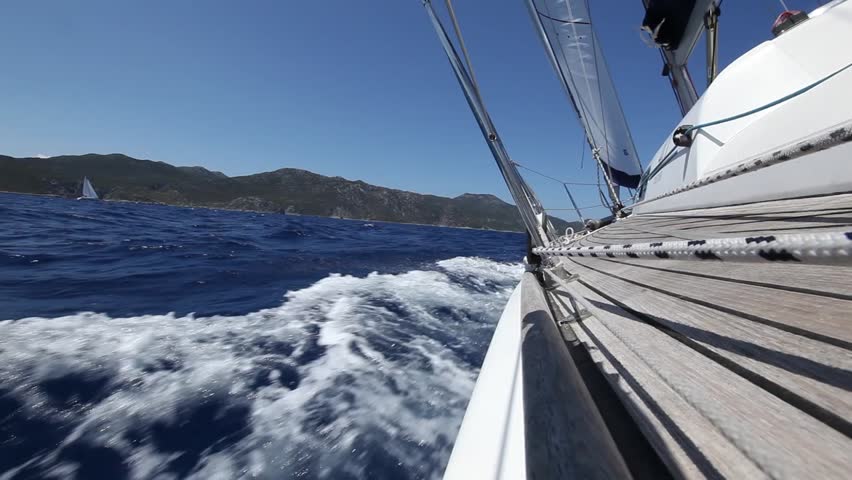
{"x": 149, "y": 341}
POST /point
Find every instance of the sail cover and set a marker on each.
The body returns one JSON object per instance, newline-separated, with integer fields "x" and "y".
{"x": 566, "y": 28}
{"x": 88, "y": 190}
{"x": 666, "y": 21}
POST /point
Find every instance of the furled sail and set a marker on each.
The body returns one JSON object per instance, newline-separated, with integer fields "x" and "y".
{"x": 566, "y": 29}
{"x": 88, "y": 190}
{"x": 666, "y": 21}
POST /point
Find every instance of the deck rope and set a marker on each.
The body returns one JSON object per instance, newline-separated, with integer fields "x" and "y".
{"x": 824, "y": 140}
{"x": 823, "y": 248}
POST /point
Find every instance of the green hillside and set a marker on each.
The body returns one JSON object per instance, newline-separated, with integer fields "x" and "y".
{"x": 288, "y": 190}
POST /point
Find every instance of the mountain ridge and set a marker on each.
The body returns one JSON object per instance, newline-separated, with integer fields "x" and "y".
{"x": 285, "y": 190}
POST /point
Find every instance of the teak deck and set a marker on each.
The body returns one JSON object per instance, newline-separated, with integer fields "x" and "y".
{"x": 731, "y": 370}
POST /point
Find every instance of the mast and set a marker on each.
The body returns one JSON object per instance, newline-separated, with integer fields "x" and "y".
{"x": 676, "y": 27}
{"x": 711, "y": 24}
{"x": 570, "y": 42}
{"x": 532, "y": 213}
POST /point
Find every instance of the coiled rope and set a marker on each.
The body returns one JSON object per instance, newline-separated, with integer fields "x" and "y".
{"x": 824, "y": 248}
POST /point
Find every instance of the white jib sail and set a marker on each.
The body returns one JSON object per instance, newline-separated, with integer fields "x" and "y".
{"x": 88, "y": 190}
{"x": 566, "y": 28}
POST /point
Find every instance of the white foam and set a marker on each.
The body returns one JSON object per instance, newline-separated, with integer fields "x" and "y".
{"x": 396, "y": 373}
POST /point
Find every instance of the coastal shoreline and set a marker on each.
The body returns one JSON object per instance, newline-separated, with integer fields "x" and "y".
{"x": 265, "y": 212}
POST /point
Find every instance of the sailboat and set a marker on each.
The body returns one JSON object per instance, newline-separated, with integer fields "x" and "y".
{"x": 702, "y": 330}
{"x": 88, "y": 191}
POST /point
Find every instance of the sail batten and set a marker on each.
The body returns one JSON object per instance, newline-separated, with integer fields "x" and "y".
{"x": 567, "y": 31}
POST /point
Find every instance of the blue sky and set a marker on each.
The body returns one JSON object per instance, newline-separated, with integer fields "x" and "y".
{"x": 356, "y": 89}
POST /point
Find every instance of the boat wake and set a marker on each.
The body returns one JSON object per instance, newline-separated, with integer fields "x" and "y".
{"x": 351, "y": 377}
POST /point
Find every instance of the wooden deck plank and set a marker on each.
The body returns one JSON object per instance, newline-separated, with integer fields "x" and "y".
{"x": 705, "y": 234}
{"x": 624, "y": 228}
{"x": 813, "y": 279}
{"x": 630, "y": 238}
{"x": 751, "y": 232}
{"x": 764, "y": 222}
{"x": 712, "y": 407}
{"x": 701, "y": 217}
{"x": 823, "y": 202}
{"x": 740, "y": 222}
{"x": 665, "y": 232}
{"x": 822, "y": 318}
{"x": 819, "y": 374}
{"x": 590, "y": 240}
{"x": 685, "y": 440}
{"x": 778, "y": 214}
{"x": 759, "y": 355}
{"x": 642, "y": 229}
{"x": 629, "y": 231}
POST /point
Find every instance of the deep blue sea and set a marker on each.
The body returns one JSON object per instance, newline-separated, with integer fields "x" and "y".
{"x": 149, "y": 341}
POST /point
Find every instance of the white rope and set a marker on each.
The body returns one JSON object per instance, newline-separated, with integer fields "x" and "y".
{"x": 824, "y": 140}
{"x": 825, "y": 248}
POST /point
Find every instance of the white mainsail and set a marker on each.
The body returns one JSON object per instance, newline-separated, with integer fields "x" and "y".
{"x": 88, "y": 190}
{"x": 566, "y": 29}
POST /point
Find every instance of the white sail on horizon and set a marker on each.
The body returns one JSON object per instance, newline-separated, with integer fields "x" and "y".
{"x": 575, "y": 52}
{"x": 88, "y": 189}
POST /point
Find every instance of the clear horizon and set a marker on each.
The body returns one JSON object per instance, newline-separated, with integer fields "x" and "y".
{"x": 361, "y": 93}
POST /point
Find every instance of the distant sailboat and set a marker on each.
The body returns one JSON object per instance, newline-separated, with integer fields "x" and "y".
{"x": 88, "y": 191}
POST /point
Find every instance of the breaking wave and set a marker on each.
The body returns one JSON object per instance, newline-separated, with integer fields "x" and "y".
{"x": 350, "y": 377}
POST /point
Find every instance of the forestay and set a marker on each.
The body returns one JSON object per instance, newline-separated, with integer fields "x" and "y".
{"x": 566, "y": 29}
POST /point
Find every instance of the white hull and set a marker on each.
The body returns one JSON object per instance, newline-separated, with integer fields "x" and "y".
{"x": 490, "y": 442}
{"x": 772, "y": 70}
{"x": 529, "y": 385}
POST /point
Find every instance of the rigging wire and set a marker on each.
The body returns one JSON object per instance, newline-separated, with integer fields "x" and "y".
{"x": 565, "y": 184}
{"x": 647, "y": 175}
{"x": 634, "y": 194}
{"x": 604, "y": 200}
{"x": 600, "y": 190}
{"x": 583, "y": 110}
{"x": 579, "y": 104}
{"x": 463, "y": 47}
{"x": 552, "y": 178}
{"x": 594, "y": 40}
{"x": 572, "y": 209}
{"x": 529, "y": 207}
